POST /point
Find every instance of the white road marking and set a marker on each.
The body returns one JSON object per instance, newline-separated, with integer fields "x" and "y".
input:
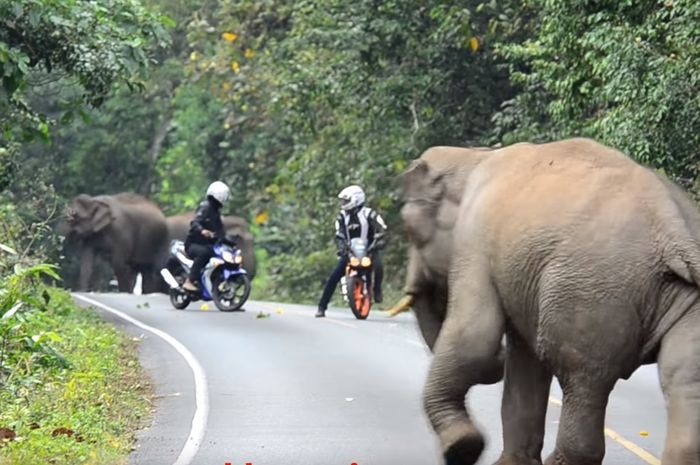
{"x": 201, "y": 413}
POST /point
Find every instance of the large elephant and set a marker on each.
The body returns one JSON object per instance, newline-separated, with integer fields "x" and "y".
{"x": 127, "y": 229}
{"x": 588, "y": 263}
{"x": 179, "y": 225}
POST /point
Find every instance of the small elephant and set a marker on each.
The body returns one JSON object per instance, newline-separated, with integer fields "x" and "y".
{"x": 179, "y": 226}
{"x": 588, "y": 263}
{"x": 127, "y": 229}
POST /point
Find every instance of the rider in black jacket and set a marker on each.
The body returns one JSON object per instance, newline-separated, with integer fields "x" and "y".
{"x": 355, "y": 220}
{"x": 205, "y": 229}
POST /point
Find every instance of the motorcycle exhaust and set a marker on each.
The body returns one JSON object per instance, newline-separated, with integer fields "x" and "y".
{"x": 169, "y": 278}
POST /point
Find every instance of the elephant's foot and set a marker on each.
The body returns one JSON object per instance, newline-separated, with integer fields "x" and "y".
{"x": 558, "y": 458}
{"x": 510, "y": 459}
{"x": 462, "y": 444}
{"x": 555, "y": 458}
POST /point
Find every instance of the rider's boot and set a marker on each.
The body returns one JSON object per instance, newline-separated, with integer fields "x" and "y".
{"x": 378, "y": 297}
{"x": 190, "y": 286}
{"x": 321, "y": 312}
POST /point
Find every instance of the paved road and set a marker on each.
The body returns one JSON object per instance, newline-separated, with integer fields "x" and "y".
{"x": 290, "y": 389}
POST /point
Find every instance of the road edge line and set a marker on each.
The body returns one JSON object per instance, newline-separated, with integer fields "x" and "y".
{"x": 643, "y": 454}
{"x": 201, "y": 413}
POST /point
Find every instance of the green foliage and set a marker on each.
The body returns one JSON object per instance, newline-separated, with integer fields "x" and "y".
{"x": 27, "y": 226}
{"x": 315, "y": 95}
{"x": 88, "y": 46}
{"x": 290, "y": 101}
{"x": 625, "y": 73}
{"x": 70, "y": 387}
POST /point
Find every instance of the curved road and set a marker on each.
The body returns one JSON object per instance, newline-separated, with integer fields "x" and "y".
{"x": 289, "y": 389}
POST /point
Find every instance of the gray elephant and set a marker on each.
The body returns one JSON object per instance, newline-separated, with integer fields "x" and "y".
{"x": 179, "y": 226}
{"x": 127, "y": 229}
{"x": 588, "y": 263}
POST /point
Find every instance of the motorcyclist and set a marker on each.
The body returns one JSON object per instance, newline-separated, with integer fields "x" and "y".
{"x": 205, "y": 229}
{"x": 355, "y": 220}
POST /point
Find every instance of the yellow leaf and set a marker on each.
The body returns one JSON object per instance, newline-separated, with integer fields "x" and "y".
{"x": 272, "y": 189}
{"x": 204, "y": 307}
{"x": 235, "y": 66}
{"x": 474, "y": 44}
{"x": 249, "y": 53}
{"x": 644, "y": 433}
{"x": 262, "y": 217}
{"x": 193, "y": 56}
{"x": 226, "y": 86}
{"x": 229, "y": 36}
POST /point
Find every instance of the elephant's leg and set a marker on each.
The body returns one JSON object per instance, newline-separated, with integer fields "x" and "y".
{"x": 581, "y": 438}
{"x": 465, "y": 354}
{"x": 525, "y": 399}
{"x": 126, "y": 276}
{"x": 149, "y": 283}
{"x": 87, "y": 262}
{"x": 679, "y": 369}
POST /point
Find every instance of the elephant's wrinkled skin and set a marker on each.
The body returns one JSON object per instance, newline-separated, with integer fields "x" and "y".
{"x": 589, "y": 264}
{"x": 179, "y": 226}
{"x": 127, "y": 229}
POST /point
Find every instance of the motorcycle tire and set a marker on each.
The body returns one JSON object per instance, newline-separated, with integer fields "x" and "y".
{"x": 179, "y": 299}
{"x": 225, "y": 304}
{"x": 358, "y": 296}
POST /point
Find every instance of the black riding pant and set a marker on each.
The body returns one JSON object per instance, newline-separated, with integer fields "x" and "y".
{"x": 339, "y": 271}
{"x": 201, "y": 254}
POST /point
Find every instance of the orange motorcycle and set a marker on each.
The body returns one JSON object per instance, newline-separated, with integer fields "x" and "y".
{"x": 356, "y": 285}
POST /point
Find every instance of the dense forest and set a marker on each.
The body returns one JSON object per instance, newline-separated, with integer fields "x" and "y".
{"x": 290, "y": 101}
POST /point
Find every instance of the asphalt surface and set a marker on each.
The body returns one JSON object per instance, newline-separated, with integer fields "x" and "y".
{"x": 289, "y": 389}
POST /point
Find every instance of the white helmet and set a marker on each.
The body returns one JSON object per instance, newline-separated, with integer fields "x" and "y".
{"x": 219, "y": 191}
{"x": 351, "y": 197}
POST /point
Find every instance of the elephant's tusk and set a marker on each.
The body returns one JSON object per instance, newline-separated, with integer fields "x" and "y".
{"x": 401, "y": 306}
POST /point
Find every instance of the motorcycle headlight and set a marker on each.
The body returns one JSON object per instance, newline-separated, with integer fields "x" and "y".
{"x": 354, "y": 261}
{"x": 228, "y": 257}
{"x": 366, "y": 262}
{"x": 238, "y": 259}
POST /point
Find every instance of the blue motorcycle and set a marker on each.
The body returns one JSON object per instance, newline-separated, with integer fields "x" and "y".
{"x": 223, "y": 279}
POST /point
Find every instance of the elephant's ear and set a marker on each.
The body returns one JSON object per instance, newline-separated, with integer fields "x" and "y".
{"x": 414, "y": 177}
{"x": 101, "y": 215}
{"x": 423, "y": 183}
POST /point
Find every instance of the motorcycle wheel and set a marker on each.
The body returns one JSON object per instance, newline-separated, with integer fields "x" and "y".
{"x": 232, "y": 294}
{"x": 360, "y": 302}
{"x": 179, "y": 299}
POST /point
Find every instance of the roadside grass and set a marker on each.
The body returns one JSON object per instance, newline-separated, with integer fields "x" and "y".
{"x": 71, "y": 388}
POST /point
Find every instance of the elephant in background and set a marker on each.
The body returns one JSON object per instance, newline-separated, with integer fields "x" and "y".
{"x": 126, "y": 229}
{"x": 587, "y": 262}
{"x": 179, "y": 226}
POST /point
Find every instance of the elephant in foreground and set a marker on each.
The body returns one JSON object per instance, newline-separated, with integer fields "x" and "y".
{"x": 586, "y": 261}
{"x": 127, "y": 229}
{"x": 179, "y": 226}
